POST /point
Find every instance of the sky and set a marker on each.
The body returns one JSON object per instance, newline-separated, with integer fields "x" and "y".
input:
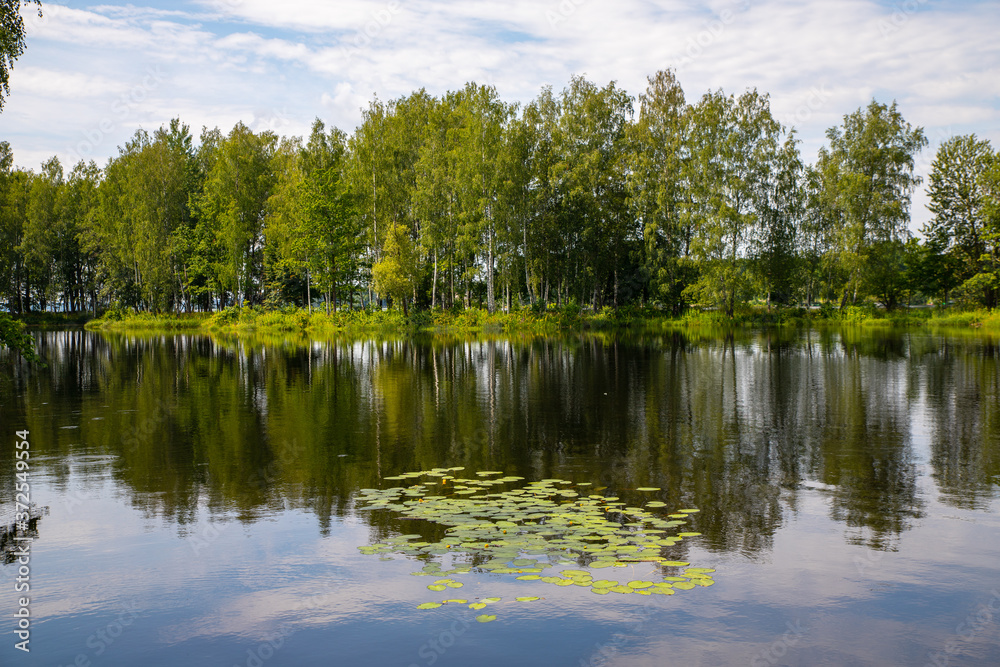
{"x": 93, "y": 74}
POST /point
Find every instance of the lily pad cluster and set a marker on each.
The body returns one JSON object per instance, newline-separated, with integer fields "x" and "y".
{"x": 524, "y": 531}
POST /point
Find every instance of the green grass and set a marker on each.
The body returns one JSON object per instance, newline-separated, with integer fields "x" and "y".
{"x": 980, "y": 318}
{"x": 45, "y": 319}
{"x": 117, "y": 320}
{"x": 532, "y": 321}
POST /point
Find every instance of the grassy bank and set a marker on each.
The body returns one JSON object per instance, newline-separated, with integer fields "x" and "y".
{"x": 532, "y": 321}
{"x": 44, "y": 319}
{"x": 127, "y": 321}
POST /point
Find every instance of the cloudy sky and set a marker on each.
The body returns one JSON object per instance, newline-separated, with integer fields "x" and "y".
{"x": 94, "y": 73}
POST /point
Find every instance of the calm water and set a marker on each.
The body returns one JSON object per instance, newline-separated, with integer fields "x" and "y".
{"x": 202, "y": 497}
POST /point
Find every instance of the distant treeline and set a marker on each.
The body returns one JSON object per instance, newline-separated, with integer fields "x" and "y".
{"x": 587, "y": 196}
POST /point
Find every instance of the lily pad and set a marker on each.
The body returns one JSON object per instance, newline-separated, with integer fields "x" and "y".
{"x": 523, "y": 531}
{"x": 486, "y": 618}
{"x": 429, "y": 605}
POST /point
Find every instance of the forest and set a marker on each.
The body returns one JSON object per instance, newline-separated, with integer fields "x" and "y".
{"x": 587, "y": 196}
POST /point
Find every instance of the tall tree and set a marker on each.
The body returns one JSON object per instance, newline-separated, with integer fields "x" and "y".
{"x": 868, "y": 178}
{"x": 959, "y": 193}
{"x": 328, "y": 211}
{"x": 656, "y": 189}
{"x": 589, "y": 174}
{"x": 737, "y": 165}
{"x": 39, "y": 245}
{"x": 234, "y": 199}
{"x": 780, "y": 219}
{"x": 482, "y": 120}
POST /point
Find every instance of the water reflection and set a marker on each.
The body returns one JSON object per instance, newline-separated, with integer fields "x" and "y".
{"x": 731, "y": 423}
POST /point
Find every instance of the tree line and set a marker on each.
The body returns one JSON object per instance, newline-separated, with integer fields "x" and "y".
{"x": 587, "y": 196}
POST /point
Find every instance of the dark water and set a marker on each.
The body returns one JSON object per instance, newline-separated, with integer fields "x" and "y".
{"x": 202, "y": 493}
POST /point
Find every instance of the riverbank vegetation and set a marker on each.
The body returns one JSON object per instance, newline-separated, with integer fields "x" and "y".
{"x": 450, "y": 207}
{"x": 532, "y": 321}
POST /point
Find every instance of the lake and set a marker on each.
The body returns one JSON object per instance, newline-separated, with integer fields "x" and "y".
{"x": 223, "y": 501}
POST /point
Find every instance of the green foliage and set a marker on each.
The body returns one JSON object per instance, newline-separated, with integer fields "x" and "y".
{"x": 233, "y": 204}
{"x": 464, "y": 202}
{"x": 11, "y": 39}
{"x": 964, "y": 230}
{"x": 395, "y": 275}
{"x": 496, "y": 532}
{"x": 121, "y": 318}
{"x": 864, "y": 180}
{"x": 14, "y": 337}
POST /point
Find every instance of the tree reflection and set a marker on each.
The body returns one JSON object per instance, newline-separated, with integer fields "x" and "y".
{"x": 731, "y": 422}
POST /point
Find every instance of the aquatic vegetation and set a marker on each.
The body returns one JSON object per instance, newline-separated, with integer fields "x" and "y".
{"x": 498, "y": 526}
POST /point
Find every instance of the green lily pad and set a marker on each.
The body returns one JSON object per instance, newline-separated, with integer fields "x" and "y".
{"x": 528, "y": 598}
{"x": 684, "y": 585}
{"x": 429, "y": 605}
{"x": 523, "y": 531}
{"x": 640, "y": 584}
{"x": 648, "y": 488}
{"x": 477, "y": 605}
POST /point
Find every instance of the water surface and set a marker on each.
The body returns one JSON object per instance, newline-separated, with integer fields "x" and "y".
{"x": 202, "y": 496}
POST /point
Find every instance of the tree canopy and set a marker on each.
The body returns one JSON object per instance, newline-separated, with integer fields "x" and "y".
{"x": 582, "y": 196}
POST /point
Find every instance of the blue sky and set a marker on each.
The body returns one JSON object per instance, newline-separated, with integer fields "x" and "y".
{"x": 94, "y": 73}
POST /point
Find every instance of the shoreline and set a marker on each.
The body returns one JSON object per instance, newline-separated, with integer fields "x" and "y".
{"x": 553, "y": 321}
